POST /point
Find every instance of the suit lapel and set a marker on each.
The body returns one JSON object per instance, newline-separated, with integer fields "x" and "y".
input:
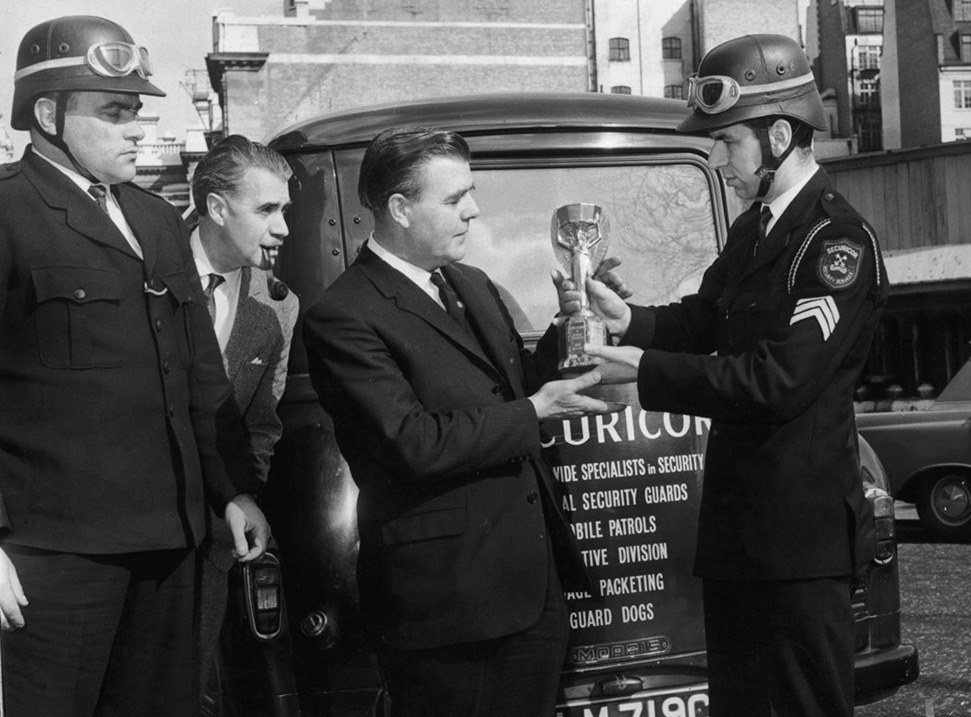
{"x": 408, "y": 297}
{"x": 138, "y": 216}
{"x": 81, "y": 213}
{"x": 245, "y": 332}
{"x": 484, "y": 315}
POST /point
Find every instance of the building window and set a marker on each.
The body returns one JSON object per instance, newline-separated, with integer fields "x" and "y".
{"x": 869, "y": 20}
{"x": 868, "y": 57}
{"x": 962, "y": 133}
{"x": 674, "y": 92}
{"x": 870, "y": 134}
{"x": 965, "y": 48}
{"x": 619, "y": 49}
{"x": 869, "y": 93}
{"x": 962, "y": 10}
{"x": 962, "y": 94}
{"x": 620, "y": 90}
{"x": 671, "y": 48}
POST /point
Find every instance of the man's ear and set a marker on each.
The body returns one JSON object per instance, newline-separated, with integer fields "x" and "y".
{"x": 780, "y": 136}
{"x": 45, "y": 112}
{"x": 399, "y": 209}
{"x": 216, "y": 208}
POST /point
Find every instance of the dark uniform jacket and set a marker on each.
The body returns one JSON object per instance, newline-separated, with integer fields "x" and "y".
{"x": 445, "y": 448}
{"x": 790, "y": 328}
{"x": 114, "y": 405}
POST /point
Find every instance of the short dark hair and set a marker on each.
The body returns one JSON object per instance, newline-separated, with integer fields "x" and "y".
{"x": 221, "y": 170}
{"x": 394, "y": 159}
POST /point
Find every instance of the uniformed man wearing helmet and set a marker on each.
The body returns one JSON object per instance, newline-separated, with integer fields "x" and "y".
{"x": 770, "y": 348}
{"x": 112, "y": 396}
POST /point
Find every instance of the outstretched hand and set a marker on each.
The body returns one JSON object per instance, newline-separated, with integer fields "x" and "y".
{"x": 564, "y": 398}
{"x": 621, "y": 362}
{"x": 606, "y": 291}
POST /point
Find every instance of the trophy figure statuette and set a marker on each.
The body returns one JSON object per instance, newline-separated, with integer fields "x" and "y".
{"x": 579, "y": 234}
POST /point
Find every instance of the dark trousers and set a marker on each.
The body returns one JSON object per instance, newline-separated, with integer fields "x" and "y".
{"x": 104, "y": 634}
{"x": 779, "y": 648}
{"x": 514, "y": 676}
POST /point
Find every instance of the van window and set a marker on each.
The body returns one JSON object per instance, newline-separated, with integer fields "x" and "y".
{"x": 661, "y": 224}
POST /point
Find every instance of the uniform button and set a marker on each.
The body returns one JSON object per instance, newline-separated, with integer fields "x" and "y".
{"x": 532, "y": 497}
{"x": 166, "y": 366}
{"x": 79, "y": 294}
{"x": 158, "y": 326}
{"x": 170, "y": 410}
{"x": 828, "y": 196}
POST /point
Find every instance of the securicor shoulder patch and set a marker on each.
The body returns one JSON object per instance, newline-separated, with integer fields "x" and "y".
{"x": 839, "y": 263}
{"x": 821, "y": 309}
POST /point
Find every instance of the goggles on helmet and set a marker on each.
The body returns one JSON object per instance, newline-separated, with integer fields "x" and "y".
{"x": 108, "y": 59}
{"x": 716, "y": 93}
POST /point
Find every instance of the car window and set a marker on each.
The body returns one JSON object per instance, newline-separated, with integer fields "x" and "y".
{"x": 661, "y": 224}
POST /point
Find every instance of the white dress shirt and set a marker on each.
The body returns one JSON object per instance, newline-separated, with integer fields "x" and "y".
{"x": 114, "y": 209}
{"x": 226, "y": 295}
{"x": 421, "y": 277}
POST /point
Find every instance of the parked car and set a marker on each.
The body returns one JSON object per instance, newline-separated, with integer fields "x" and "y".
{"x": 631, "y": 480}
{"x": 926, "y": 452}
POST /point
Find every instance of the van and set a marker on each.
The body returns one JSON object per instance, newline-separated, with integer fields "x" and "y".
{"x": 631, "y": 480}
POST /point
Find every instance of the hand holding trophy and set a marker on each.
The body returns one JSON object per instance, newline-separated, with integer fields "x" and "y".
{"x": 579, "y": 236}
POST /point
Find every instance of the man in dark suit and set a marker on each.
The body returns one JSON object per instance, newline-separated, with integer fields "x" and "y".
{"x": 770, "y": 348}
{"x": 116, "y": 417}
{"x": 464, "y": 549}
{"x": 240, "y": 193}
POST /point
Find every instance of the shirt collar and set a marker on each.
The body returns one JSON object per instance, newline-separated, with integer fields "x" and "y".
{"x": 204, "y": 266}
{"x": 420, "y": 276}
{"x": 82, "y": 182}
{"x": 778, "y": 205}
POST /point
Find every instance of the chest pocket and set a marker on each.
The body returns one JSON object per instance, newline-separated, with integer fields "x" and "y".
{"x": 751, "y": 316}
{"x": 78, "y": 317}
{"x": 179, "y": 296}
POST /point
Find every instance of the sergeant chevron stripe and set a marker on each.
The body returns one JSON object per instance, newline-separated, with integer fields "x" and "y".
{"x": 822, "y": 310}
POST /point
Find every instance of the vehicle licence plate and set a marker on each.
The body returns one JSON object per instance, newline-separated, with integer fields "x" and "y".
{"x": 688, "y": 702}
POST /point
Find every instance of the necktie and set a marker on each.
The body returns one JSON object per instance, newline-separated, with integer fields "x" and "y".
{"x": 765, "y": 216}
{"x": 451, "y": 301}
{"x": 214, "y": 281}
{"x": 99, "y": 192}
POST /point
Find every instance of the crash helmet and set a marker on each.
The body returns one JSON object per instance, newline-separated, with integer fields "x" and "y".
{"x": 750, "y": 77}
{"x": 77, "y": 53}
{"x": 755, "y": 79}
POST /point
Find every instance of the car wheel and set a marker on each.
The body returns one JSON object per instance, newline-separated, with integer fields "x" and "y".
{"x": 945, "y": 506}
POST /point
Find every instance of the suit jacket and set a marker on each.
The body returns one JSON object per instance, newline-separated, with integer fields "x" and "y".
{"x": 456, "y": 509}
{"x": 114, "y": 406}
{"x": 256, "y": 363}
{"x": 791, "y": 323}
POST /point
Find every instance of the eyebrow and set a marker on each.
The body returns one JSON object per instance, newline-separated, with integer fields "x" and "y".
{"x": 460, "y": 193}
{"x": 118, "y": 104}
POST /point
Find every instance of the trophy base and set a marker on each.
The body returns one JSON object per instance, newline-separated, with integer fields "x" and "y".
{"x": 575, "y": 331}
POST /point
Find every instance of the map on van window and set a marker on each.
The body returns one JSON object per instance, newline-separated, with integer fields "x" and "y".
{"x": 661, "y": 225}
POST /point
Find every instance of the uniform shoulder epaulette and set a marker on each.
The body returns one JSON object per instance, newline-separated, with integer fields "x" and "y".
{"x": 10, "y": 169}
{"x": 838, "y": 211}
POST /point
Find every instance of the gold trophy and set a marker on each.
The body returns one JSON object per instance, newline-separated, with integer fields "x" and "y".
{"x": 579, "y": 234}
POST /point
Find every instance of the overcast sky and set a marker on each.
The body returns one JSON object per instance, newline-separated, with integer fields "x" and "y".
{"x": 177, "y": 33}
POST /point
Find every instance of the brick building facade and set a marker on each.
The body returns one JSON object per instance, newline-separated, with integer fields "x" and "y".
{"x": 272, "y": 72}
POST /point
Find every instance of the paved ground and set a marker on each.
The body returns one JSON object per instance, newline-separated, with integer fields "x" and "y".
{"x": 935, "y": 581}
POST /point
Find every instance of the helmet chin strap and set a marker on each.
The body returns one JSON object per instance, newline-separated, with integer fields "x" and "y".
{"x": 766, "y": 173}
{"x": 57, "y": 139}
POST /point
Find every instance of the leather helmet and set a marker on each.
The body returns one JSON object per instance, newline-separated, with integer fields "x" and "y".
{"x": 750, "y": 77}
{"x": 77, "y": 53}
